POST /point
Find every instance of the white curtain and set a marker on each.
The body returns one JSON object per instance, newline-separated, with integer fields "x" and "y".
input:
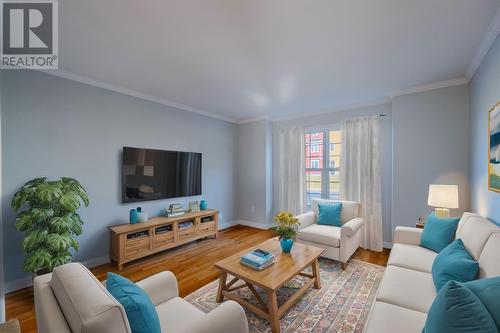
{"x": 361, "y": 177}
{"x": 292, "y": 170}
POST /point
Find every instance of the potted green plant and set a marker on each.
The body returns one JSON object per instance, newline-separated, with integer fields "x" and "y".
{"x": 47, "y": 216}
{"x": 286, "y": 229}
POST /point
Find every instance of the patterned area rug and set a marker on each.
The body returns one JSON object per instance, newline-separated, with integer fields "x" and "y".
{"x": 341, "y": 305}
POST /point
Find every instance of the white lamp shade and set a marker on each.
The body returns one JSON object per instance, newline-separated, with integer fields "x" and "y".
{"x": 443, "y": 196}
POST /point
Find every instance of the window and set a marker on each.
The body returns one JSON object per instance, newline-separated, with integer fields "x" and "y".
{"x": 323, "y": 165}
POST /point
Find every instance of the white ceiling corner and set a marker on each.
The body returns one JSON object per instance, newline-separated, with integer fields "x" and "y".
{"x": 489, "y": 37}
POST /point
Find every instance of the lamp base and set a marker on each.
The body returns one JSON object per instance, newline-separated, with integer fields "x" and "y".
{"x": 442, "y": 212}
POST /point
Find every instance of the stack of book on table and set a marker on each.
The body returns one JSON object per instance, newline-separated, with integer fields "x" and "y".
{"x": 258, "y": 259}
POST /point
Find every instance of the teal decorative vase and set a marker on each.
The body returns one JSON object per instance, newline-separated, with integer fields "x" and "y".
{"x": 203, "y": 205}
{"x": 286, "y": 245}
{"x": 134, "y": 216}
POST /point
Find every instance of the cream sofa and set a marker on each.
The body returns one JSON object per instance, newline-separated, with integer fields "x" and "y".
{"x": 407, "y": 291}
{"x": 339, "y": 242}
{"x": 71, "y": 299}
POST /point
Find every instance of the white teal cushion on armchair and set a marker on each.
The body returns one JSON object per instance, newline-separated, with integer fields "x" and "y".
{"x": 339, "y": 242}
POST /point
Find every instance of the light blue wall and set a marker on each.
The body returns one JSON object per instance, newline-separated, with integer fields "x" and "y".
{"x": 431, "y": 146}
{"x": 254, "y": 172}
{"x": 333, "y": 119}
{"x": 484, "y": 93}
{"x": 55, "y": 127}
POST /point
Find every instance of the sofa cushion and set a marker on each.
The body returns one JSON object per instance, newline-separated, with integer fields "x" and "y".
{"x": 86, "y": 304}
{"x": 350, "y": 209}
{"x": 454, "y": 263}
{"x": 488, "y": 292}
{"x": 412, "y": 257}
{"x": 407, "y": 288}
{"x": 176, "y": 315}
{"x": 322, "y": 234}
{"x": 438, "y": 232}
{"x": 489, "y": 263}
{"x": 329, "y": 214}
{"x": 474, "y": 232}
{"x": 141, "y": 312}
{"x": 385, "y": 317}
{"x": 458, "y": 309}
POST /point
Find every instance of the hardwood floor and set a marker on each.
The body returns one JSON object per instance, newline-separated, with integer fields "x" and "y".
{"x": 192, "y": 264}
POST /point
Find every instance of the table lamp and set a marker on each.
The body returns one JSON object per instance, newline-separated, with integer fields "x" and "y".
{"x": 442, "y": 198}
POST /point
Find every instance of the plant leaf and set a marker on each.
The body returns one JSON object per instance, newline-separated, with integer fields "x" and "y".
{"x": 37, "y": 260}
{"x": 38, "y": 214}
{"x": 24, "y": 221}
{"x": 60, "y": 259}
{"x": 69, "y": 202}
{"x": 47, "y": 192}
{"x": 34, "y": 239}
{"x": 59, "y": 243}
{"x": 61, "y": 224}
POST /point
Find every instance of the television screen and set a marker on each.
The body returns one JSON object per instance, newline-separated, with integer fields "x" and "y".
{"x": 150, "y": 174}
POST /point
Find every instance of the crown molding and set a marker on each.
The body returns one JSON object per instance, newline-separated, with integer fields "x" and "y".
{"x": 134, "y": 93}
{"x": 372, "y": 103}
{"x": 432, "y": 86}
{"x": 253, "y": 120}
{"x": 489, "y": 38}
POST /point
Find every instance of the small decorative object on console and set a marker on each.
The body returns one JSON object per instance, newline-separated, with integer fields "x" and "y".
{"x": 286, "y": 229}
{"x": 203, "y": 204}
{"x": 175, "y": 210}
{"x": 134, "y": 216}
{"x": 143, "y": 216}
{"x": 194, "y": 206}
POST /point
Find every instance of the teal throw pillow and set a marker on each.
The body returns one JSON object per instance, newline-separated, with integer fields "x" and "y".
{"x": 329, "y": 214}
{"x": 141, "y": 312}
{"x": 457, "y": 309}
{"x": 488, "y": 291}
{"x": 454, "y": 263}
{"x": 438, "y": 232}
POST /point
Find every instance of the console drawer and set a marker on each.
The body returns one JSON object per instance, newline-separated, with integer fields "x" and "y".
{"x": 163, "y": 239}
{"x": 186, "y": 232}
{"x": 207, "y": 226}
{"x": 137, "y": 247}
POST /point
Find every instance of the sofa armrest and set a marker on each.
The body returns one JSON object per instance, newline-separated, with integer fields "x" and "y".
{"x": 228, "y": 317}
{"x": 160, "y": 287}
{"x": 306, "y": 219}
{"x": 350, "y": 228}
{"x": 407, "y": 235}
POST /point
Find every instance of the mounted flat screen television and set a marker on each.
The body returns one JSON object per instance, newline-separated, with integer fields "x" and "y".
{"x": 150, "y": 174}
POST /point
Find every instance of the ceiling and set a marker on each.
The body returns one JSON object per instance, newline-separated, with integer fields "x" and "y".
{"x": 246, "y": 59}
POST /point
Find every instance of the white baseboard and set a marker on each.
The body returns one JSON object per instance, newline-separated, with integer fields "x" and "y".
{"x": 388, "y": 245}
{"x": 226, "y": 225}
{"x": 27, "y": 281}
{"x": 18, "y": 284}
{"x": 96, "y": 261}
{"x": 252, "y": 224}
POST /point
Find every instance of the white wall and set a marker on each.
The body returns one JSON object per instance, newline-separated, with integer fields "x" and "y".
{"x": 485, "y": 93}
{"x": 55, "y": 127}
{"x": 431, "y": 146}
{"x": 334, "y": 119}
{"x": 254, "y": 173}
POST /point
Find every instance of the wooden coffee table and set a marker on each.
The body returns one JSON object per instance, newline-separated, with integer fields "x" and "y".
{"x": 285, "y": 268}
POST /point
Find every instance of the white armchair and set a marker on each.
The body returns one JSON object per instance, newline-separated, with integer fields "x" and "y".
{"x": 71, "y": 299}
{"x": 339, "y": 242}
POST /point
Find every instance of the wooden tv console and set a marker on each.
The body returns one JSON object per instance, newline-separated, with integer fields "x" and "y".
{"x": 133, "y": 241}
